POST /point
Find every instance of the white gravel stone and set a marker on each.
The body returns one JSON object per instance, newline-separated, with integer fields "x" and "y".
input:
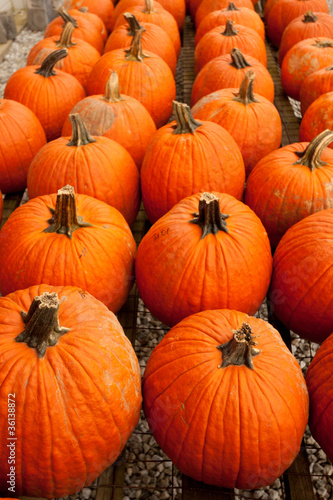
{"x": 86, "y": 493}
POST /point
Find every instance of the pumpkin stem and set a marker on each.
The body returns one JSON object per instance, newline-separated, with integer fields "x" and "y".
{"x": 238, "y": 60}
{"x": 112, "y": 93}
{"x": 231, "y": 6}
{"x": 67, "y": 17}
{"x": 64, "y": 218}
{"x": 80, "y": 134}
{"x": 323, "y": 44}
{"x": 134, "y": 53}
{"x": 185, "y": 123}
{"x": 47, "y": 67}
{"x": 229, "y": 29}
{"x": 239, "y": 350}
{"x": 210, "y": 218}
{"x": 245, "y": 94}
{"x": 329, "y": 68}
{"x": 311, "y": 156}
{"x": 42, "y": 328}
{"x": 149, "y": 7}
{"x": 309, "y": 17}
{"x": 133, "y": 23}
{"x": 65, "y": 41}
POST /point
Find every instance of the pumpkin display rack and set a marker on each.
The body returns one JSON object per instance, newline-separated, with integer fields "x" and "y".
{"x": 115, "y": 483}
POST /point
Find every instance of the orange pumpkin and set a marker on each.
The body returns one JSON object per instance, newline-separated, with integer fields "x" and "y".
{"x": 186, "y": 156}
{"x": 63, "y": 348}
{"x": 21, "y": 136}
{"x": 253, "y": 121}
{"x": 103, "y": 8}
{"x": 317, "y": 118}
{"x": 217, "y": 257}
{"x": 219, "y": 391}
{"x": 208, "y": 6}
{"x": 314, "y": 86}
{"x": 118, "y": 117}
{"x": 76, "y": 240}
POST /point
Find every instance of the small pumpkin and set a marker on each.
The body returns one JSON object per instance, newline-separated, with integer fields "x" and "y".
{"x": 62, "y": 348}
{"x": 253, "y": 121}
{"x": 49, "y": 93}
{"x": 76, "y": 240}
{"x": 317, "y": 118}
{"x": 315, "y": 85}
{"x": 210, "y": 251}
{"x": 222, "y": 39}
{"x": 208, "y": 6}
{"x": 219, "y": 391}
{"x": 186, "y": 156}
{"x": 228, "y": 71}
{"x": 291, "y": 183}
{"x": 118, "y": 117}
{"x": 21, "y": 136}
{"x": 103, "y": 8}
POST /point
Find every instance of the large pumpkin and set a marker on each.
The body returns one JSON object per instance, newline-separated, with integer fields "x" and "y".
{"x": 317, "y": 117}
{"x": 95, "y": 166}
{"x": 73, "y": 379}
{"x": 116, "y": 116}
{"x": 315, "y": 85}
{"x": 290, "y": 184}
{"x": 103, "y": 8}
{"x": 301, "y": 290}
{"x": 220, "y": 391}
{"x": 65, "y": 239}
{"x": 185, "y": 157}
{"x": 21, "y": 136}
{"x": 210, "y": 251}
{"x": 253, "y": 121}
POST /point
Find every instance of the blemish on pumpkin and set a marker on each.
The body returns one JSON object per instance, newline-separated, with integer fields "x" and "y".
{"x": 181, "y": 416}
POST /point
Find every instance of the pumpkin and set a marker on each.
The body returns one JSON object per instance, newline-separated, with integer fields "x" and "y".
{"x": 222, "y": 39}
{"x": 103, "y": 8}
{"x": 186, "y": 156}
{"x": 21, "y": 136}
{"x": 49, "y": 93}
{"x": 154, "y": 39}
{"x": 283, "y": 12}
{"x": 76, "y": 240}
{"x": 95, "y": 166}
{"x": 253, "y": 121}
{"x": 240, "y": 15}
{"x": 228, "y": 71}
{"x": 208, "y": 6}
{"x": 220, "y": 391}
{"x": 63, "y": 349}
{"x": 210, "y": 251}
{"x": 302, "y": 283}
{"x": 319, "y": 383}
{"x": 314, "y": 86}
{"x": 308, "y": 25}
{"x": 291, "y": 183}
{"x": 153, "y": 12}
{"x": 88, "y": 27}
{"x": 118, "y": 117}
{"x": 81, "y": 56}
{"x": 142, "y": 75}
{"x": 301, "y": 60}
{"x": 318, "y": 117}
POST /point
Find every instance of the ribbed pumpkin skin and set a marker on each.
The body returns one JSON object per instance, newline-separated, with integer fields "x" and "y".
{"x": 282, "y": 193}
{"x": 243, "y": 15}
{"x": 88, "y": 392}
{"x": 301, "y": 60}
{"x": 221, "y": 425}
{"x": 98, "y": 259}
{"x": 50, "y": 99}
{"x": 221, "y": 74}
{"x": 314, "y": 86}
{"x": 318, "y": 117}
{"x": 319, "y": 384}
{"x": 298, "y": 30}
{"x": 285, "y": 11}
{"x": 101, "y": 169}
{"x": 80, "y": 60}
{"x": 90, "y": 28}
{"x": 179, "y": 165}
{"x": 208, "y": 6}
{"x": 154, "y": 39}
{"x": 214, "y": 44}
{"x": 103, "y": 8}
{"x": 151, "y": 81}
{"x": 256, "y": 126}
{"x": 126, "y": 122}
{"x": 22, "y": 136}
{"x": 179, "y": 274}
{"x": 302, "y": 283}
